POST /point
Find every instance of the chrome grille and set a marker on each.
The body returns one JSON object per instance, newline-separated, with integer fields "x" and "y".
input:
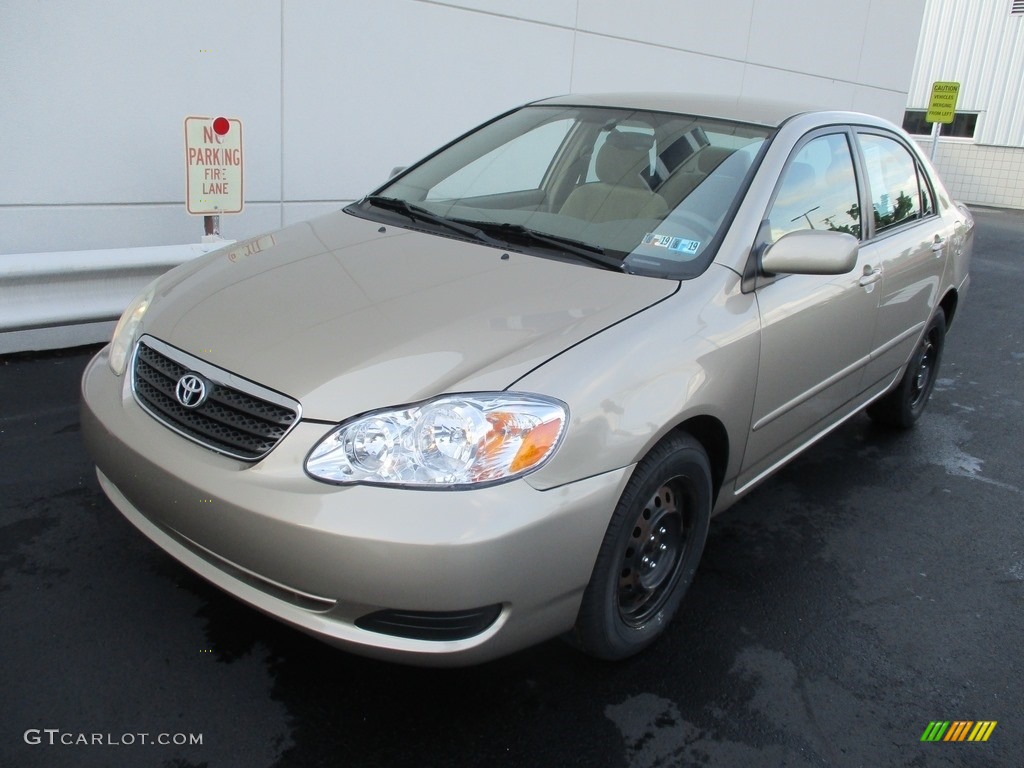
{"x": 238, "y": 418}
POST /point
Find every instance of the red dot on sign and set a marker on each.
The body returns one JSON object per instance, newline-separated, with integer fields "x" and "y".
{"x": 221, "y": 126}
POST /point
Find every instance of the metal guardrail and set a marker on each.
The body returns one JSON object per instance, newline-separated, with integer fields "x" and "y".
{"x": 67, "y": 298}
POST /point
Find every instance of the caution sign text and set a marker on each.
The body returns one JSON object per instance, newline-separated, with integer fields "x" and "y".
{"x": 942, "y": 105}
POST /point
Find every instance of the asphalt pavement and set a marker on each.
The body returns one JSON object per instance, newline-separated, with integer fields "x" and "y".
{"x": 870, "y": 588}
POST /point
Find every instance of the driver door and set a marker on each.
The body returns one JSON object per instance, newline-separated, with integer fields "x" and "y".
{"x": 816, "y": 330}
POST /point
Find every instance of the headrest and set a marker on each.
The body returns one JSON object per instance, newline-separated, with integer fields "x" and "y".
{"x": 709, "y": 158}
{"x": 622, "y": 158}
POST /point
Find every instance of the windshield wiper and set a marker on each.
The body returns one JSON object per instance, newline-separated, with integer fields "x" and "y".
{"x": 593, "y": 254}
{"x": 484, "y": 231}
{"x": 416, "y": 213}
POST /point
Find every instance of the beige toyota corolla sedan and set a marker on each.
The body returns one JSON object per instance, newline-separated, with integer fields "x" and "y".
{"x": 498, "y": 399}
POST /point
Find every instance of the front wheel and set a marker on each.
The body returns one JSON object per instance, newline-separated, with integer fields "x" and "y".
{"x": 905, "y": 404}
{"x": 649, "y": 553}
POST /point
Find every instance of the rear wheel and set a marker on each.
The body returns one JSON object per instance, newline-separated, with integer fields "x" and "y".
{"x": 650, "y": 551}
{"x": 905, "y": 404}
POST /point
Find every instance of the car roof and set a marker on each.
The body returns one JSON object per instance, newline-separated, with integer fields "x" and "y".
{"x": 764, "y": 112}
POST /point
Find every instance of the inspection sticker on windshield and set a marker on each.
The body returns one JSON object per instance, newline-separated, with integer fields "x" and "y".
{"x": 680, "y": 244}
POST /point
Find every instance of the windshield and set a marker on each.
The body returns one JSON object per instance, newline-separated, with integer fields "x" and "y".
{"x": 645, "y": 192}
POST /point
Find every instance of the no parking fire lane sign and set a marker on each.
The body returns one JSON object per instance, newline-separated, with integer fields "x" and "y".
{"x": 213, "y": 165}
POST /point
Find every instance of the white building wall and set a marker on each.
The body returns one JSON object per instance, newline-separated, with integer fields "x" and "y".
{"x": 980, "y": 44}
{"x": 334, "y": 93}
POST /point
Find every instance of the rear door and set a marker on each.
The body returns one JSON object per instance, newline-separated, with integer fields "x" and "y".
{"x": 908, "y": 244}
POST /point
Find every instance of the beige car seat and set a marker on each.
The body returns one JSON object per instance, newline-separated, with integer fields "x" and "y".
{"x": 620, "y": 191}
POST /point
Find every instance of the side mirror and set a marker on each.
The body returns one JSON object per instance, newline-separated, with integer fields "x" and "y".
{"x": 811, "y": 252}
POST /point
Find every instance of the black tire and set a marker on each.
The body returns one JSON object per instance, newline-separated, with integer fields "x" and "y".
{"x": 661, "y": 522}
{"x": 905, "y": 404}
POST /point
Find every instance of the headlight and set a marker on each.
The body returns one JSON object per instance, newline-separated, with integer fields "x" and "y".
{"x": 451, "y": 441}
{"x": 128, "y": 328}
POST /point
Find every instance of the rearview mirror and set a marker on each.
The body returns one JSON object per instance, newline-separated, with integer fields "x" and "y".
{"x": 811, "y": 252}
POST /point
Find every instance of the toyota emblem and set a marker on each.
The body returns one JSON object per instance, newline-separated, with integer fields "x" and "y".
{"x": 191, "y": 391}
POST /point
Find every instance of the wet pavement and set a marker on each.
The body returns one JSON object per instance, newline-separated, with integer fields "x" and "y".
{"x": 871, "y": 587}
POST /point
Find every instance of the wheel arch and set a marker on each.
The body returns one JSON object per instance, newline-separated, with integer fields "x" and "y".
{"x": 948, "y": 305}
{"x": 714, "y": 438}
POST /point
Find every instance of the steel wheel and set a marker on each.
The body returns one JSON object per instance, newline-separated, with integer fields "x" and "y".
{"x": 920, "y": 387}
{"x": 650, "y": 551}
{"x": 904, "y": 405}
{"x": 650, "y": 563}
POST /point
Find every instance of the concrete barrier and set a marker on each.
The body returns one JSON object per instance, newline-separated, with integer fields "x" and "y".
{"x": 68, "y": 298}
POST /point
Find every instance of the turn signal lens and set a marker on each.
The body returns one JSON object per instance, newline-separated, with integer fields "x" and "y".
{"x": 536, "y": 445}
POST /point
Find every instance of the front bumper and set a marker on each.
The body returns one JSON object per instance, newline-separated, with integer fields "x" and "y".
{"x": 321, "y": 557}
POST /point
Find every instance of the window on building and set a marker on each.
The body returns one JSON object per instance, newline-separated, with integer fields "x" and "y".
{"x": 963, "y": 124}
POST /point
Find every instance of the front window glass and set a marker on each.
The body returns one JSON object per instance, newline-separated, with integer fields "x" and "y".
{"x": 647, "y": 191}
{"x": 818, "y": 190}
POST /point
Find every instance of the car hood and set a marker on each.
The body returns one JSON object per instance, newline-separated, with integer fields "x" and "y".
{"x": 346, "y": 315}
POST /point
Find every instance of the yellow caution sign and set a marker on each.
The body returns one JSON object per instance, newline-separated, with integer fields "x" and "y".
{"x": 942, "y": 105}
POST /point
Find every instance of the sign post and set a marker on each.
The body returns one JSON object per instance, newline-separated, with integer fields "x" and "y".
{"x": 213, "y": 170}
{"x": 941, "y": 108}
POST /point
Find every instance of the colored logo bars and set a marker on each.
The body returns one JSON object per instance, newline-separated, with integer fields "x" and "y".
{"x": 958, "y": 730}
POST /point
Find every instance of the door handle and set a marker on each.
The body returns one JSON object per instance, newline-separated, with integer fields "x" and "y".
{"x": 938, "y": 245}
{"x": 870, "y": 275}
